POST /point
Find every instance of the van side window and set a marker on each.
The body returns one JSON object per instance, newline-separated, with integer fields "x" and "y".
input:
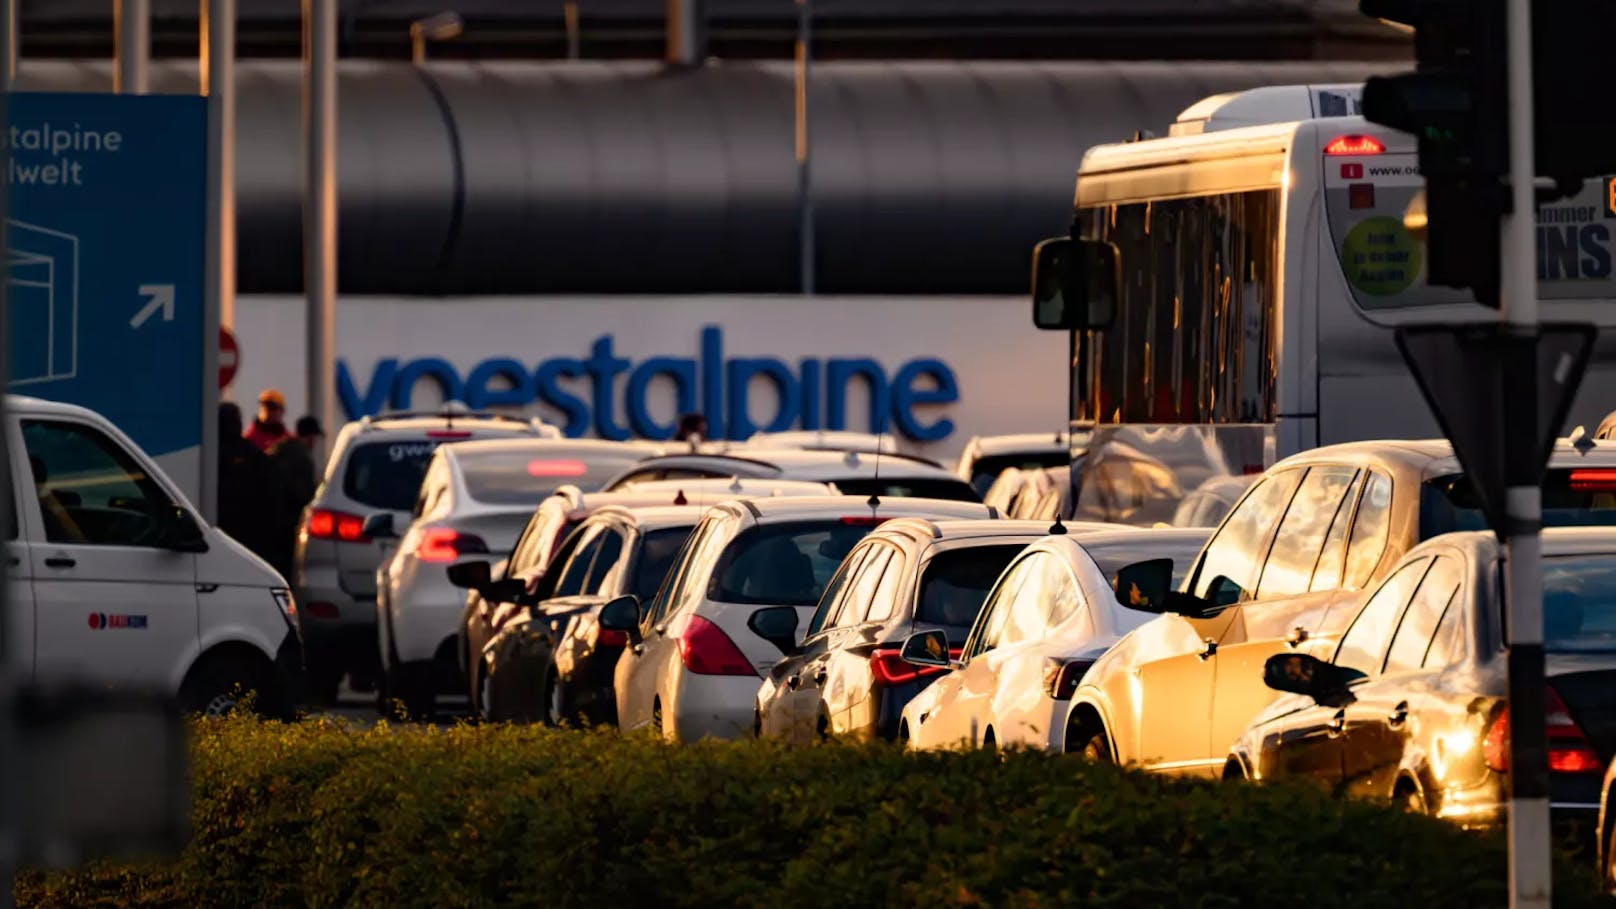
{"x": 1302, "y": 532}
{"x": 90, "y": 490}
{"x": 1369, "y": 532}
{"x": 1237, "y": 545}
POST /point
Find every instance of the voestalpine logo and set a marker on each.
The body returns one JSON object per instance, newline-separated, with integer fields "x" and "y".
{"x": 812, "y": 393}
{"x": 100, "y": 620}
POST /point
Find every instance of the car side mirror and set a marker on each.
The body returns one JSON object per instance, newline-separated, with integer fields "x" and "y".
{"x": 180, "y": 532}
{"x": 379, "y": 526}
{"x": 926, "y": 648}
{"x": 777, "y": 625}
{"x": 1144, "y": 585}
{"x": 468, "y": 575}
{"x": 622, "y": 614}
{"x": 1303, "y": 673}
{"x": 1074, "y": 284}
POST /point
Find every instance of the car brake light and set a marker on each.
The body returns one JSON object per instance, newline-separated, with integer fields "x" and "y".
{"x": 556, "y": 468}
{"x": 609, "y": 638}
{"x": 862, "y": 520}
{"x": 1593, "y": 479}
{"x": 448, "y": 435}
{"x": 1354, "y": 145}
{"x": 445, "y": 544}
{"x": 325, "y": 524}
{"x": 707, "y": 650}
{"x": 1062, "y": 676}
{"x": 889, "y": 667}
{"x": 1569, "y": 748}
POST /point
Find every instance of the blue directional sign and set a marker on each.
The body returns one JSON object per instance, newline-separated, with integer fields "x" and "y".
{"x": 104, "y": 259}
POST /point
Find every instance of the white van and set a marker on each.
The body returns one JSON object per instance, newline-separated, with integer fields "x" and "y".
{"x": 114, "y": 580}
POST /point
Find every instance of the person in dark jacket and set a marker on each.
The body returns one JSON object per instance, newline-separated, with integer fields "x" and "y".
{"x": 294, "y": 458}
{"x": 250, "y": 492}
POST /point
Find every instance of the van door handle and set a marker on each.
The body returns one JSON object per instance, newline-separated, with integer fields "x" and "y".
{"x": 60, "y": 562}
{"x": 1210, "y": 650}
{"x": 1338, "y": 724}
{"x": 1297, "y": 638}
{"x": 1399, "y": 715}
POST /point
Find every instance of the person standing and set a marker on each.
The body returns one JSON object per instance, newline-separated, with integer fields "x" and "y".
{"x": 294, "y": 456}
{"x": 269, "y": 427}
{"x": 249, "y": 499}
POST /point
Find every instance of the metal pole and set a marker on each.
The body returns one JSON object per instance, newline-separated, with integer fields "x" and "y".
{"x": 1529, "y": 852}
{"x": 11, "y": 833}
{"x": 805, "y": 177}
{"x": 10, "y": 35}
{"x": 320, "y": 204}
{"x": 133, "y": 48}
{"x": 574, "y": 40}
{"x": 218, "y": 65}
{"x": 417, "y": 45}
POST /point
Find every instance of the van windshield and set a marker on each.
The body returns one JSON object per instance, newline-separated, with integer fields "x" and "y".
{"x": 1572, "y": 497}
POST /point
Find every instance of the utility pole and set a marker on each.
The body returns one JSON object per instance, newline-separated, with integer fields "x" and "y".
{"x": 218, "y": 68}
{"x": 805, "y": 175}
{"x": 133, "y": 46}
{"x": 320, "y": 205}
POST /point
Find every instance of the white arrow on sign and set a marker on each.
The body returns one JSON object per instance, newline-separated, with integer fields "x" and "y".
{"x": 162, "y": 297}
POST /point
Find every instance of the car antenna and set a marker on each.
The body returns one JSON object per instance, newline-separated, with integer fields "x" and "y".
{"x": 680, "y": 498}
{"x": 1057, "y": 529}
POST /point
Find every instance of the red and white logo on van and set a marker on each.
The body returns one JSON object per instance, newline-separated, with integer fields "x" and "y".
{"x": 1352, "y": 171}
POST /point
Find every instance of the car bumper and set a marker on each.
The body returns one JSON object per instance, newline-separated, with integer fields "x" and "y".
{"x": 713, "y": 706}
{"x": 418, "y": 625}
{"x": 289, "y": 686}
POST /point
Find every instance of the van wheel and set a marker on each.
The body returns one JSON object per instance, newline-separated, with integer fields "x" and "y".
{"x": 219, "y": 686}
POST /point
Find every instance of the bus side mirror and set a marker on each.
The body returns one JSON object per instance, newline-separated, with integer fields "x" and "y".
{"x": 1074, "y": 284}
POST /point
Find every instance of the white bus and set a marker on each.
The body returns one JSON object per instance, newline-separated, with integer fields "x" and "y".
{"x": 1261, "y": 264}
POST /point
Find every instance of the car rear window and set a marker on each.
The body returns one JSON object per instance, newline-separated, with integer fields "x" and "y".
{"x": 957, "y": 581}
{"x": 657, "y": 551}
{"x": 786, "y": 564}
{"x": 387, "y": 474}
{"x": 1572, "y": 497}
{"x": 517, "y": 477}
{"x": 1579, "y": 602}
{"x": 950, "y": 489}
{"x": 987, "y": 469}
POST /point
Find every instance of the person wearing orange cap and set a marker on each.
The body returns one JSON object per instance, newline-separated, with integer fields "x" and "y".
{"x": 268, "y": 429}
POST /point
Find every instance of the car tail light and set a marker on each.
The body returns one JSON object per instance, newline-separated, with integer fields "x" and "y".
{"x": 862, "y": 520}
{"x": 889, "y": 668}
{"x": 1569, "y": 748}
{"x": 1593, "y": 479}
{"x": 1061, "y": 676}
{"x": 325, "y": 524}
{"x": 607, "y": 637}
{"x": 543, "y": 468}
{"x": 445, "y": 544}
{"x": 1354, "y": 145}
{"x": 707, "y": 650}
{"x": 321, "y": 610}
{"x": 448, "y": 435}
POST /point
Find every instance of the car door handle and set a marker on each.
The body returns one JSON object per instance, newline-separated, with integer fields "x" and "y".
{"x": 1210, "y": 650}
{"x": 1399, "y": 715}
{"x": 820, "y": 677}
{"x": 661, "y": 630}
{"x": 1338, "y": 724}
{"x": 60, "y": 562}
{"x": 794, "y": 682}
{"x": 1297, "y": 638}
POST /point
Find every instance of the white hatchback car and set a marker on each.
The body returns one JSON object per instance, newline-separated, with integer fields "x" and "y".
{"x": 115, "y": 582}
{"x": 474, "y": 502}
{"x": 696, "y": 654}
{"x": 1049, "y": 617}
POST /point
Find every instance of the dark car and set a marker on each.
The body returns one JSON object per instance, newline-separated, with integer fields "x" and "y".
{"x": 1412, "y": 706}
{"x": 913, "y": 574}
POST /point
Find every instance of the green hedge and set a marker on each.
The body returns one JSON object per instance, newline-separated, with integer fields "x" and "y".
{"x": 320, "y": 814}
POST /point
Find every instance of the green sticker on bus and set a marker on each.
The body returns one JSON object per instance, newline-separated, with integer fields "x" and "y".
{"x": 1380, "y": 256}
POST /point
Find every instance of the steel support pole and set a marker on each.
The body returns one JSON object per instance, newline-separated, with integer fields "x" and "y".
{"x": 805, "y": 174}
{"x": 1529, "y": 851}
{"x": 218, "y": 68}
{"x": 574, "y": 40}
{"x": 11, "y": 833}
{"x": 320, "y": 205}
{"x": 133, "y": 46}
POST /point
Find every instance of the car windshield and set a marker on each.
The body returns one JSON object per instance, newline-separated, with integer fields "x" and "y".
{"x": 957, "y": 581}
{"x": 987, "y": 469}
{"x": 516, "y": 477}
{"x": 950, "y": 489}
{"x": 1572, "y": 497}
{"x": 1579, "y": 602}
{"x": 784, "y": 564}
{"x": 387, "y": 474}
{"x": 657, "y": 551}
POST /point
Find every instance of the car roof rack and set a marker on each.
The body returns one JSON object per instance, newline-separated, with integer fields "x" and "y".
{"x": 455, "y": 410}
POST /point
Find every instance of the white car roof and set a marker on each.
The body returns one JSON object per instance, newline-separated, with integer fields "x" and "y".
{"x": 1557, "y": 541}
{"x": 657, "y": 517}
{"x": 1435, "y": 457}
{"x": 767, "y": 511}
{"x": 732, "y": 486}
{"x": 582, "y": 448}
{"x": 993, "y": 446}
{"x": 821, "y": 440}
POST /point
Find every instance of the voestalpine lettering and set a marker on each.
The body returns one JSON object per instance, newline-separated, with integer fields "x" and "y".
{"x": 739, "y": 396}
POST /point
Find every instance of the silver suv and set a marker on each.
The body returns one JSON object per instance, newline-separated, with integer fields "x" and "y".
{"x": 375, "y": 467}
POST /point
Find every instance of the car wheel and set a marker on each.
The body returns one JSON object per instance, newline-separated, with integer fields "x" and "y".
{"x": 822, "y": 728}
{"x": 1097, "y": 748}
{"x": 1409, "y": 799}
{"x": 219, "y": 686}
{"x": 657, "y": 721}
{"x": 903, "y": 735}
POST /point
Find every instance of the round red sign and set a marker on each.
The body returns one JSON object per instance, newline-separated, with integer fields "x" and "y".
{"x": 229, "y": 357}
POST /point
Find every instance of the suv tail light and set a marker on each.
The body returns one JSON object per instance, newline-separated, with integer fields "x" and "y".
{"x": 445, "y": 544}
{"x": 707, "y": 650}
{"x": 889, "y": 668}
{"x": 1569, "y": 748}
{"x": 325, "y": 524}
{"x": 1061, "y": 677}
